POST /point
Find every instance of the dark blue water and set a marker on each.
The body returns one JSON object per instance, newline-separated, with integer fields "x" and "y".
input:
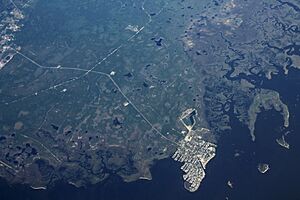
{"x": 281, "y": 182}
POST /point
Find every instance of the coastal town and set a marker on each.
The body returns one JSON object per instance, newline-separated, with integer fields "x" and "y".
{"x": 194, "y": 152}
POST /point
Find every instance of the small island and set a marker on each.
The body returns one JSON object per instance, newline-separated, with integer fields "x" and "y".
{"x": 281, "y": 141}
{"x": 263, "y": 167}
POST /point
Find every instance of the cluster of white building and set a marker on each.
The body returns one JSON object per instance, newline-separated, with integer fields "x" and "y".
{"x": 9, "y": 24}
{"x": 195, "y": 153}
